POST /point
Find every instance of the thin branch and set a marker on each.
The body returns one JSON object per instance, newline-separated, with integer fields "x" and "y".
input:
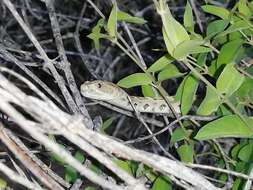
{"x": 9, "y": 57}
{"x": 205, "y": 167}
{"x": 79, "y": 46}
{"x": 18, "y": 178}
{"x": 48, "y": 62}
{"x": 65, "y": 63}
{"x": 170, "y": 126}
{"x": 27, "y": 161}
{"x": 197, "y": 15}
{"x": 150, "y": 132}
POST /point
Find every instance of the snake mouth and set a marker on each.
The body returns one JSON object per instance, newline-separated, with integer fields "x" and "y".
{"x": 85, "y": 91}
{"x": 83, "y": 87}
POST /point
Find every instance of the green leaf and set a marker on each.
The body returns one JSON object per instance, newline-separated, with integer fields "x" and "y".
{"x": 240, "y": 166}
{"x": 122, "y": 16}
{"x": 170, "y": 71}
{"x": 224, "y": 110}
{"x": 124, "y": 165}
{"x": 210, "y": 103}
{"x": 178, "y": 135}
{"x": 107, "y": 123}
{"x": 234, "y": 36}
{"x": 246, "y": 89}
{"x": 236, "y": 27}
{"x": 188, "y": 94}
{"x": 144, "y": 170}
{"x": 70, "y": 174}
{"x": 243, "y": 8}
{"x": 188, "y": 18}
{"x": 213, "y": 68}
{"x": 229, "y": 52}
{"x": 227, "y": 126}
{"x": 99, "y": 25}
{"x": 79, "y": 156}
{"x": 96, "y": 35}
{"x": 162, "y": 183}
{"x": 201, "y": 60}
{"x": 235, "y": 151}
{"x": 246, "y": 153}
{"x": 250, "y": 4}
{"x": 173, "y": 32}
{"x": 134, "y": 167}
{"x": 189, "y": 47}
{"x": 160, "y": 63}
{"x": 215, "y": 28}
{"x": 54, "y": 156}
{"x": 215, "y": 10}
{"x": 178, "y": 96}
{"x": 90, "y": 188}
{"x": 169, "y": 45}
{"x": 3, "y": 183}
{"x": 149, "y": 91}
{"x": 112, "y": 22}
{"x": 237, "y": 184}
{"x": 95, "y": 169}
{"x": 185, "y": 152}
{"x": 135, "y": 79}
{"x": 199, "y": 49}
{"x": 140, "y": 172}
{"x": 229, "y": 80}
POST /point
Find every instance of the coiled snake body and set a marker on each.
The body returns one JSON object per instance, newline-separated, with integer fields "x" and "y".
{"x": 114, "y": 95}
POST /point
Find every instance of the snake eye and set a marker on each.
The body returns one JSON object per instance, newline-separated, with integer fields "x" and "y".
{"x": 99, "y": 85}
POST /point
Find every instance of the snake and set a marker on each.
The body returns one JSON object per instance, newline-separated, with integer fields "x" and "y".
{"x": 111, "y": 93}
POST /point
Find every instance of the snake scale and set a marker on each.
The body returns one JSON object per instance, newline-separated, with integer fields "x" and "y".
{"x": 114, "y": 95}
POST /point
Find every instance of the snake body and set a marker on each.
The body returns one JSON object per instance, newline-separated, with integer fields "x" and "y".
{"x": 114, "y": 95}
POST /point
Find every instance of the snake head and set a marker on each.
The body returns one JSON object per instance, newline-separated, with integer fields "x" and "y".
{"x": 101, "y": 90}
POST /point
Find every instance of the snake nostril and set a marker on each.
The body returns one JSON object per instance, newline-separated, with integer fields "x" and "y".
{"x": 99, "y": 85}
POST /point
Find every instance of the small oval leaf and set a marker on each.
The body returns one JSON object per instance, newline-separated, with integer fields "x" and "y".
{"x": 96, "y": 35}
{"x": 107, "y": 123}
{"x": 122, "y": 16}
{"x": 178, "y": 135}
{"x": 236, "y": 26}
{"x": 228, "y": 52}
{"x": 135, "y": 79}
{"x": 173, "y": 32}
{"x": 149, "y": 91}
{"x": 210, "y": 103}
{"x": 243, "y": 8}
{"x": 162, "y": 183}
{"x": 229, "y": 80}
{"x": 215, "y": 10}
{"x": 246, "y": 153}
{"x": 188, "y": 94}
{"x": 170, "y": 71}
{"x": 112, "y": 22}
{"x": 160, "y": 63}
{"x": 215, "y": 27}
{"x": 189, "y": 47}
{"x": 124, "y": 165}
{"x": 185, "y": 152}
{"x": 227, "y": 126}
{"x": 188, "y": 18}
